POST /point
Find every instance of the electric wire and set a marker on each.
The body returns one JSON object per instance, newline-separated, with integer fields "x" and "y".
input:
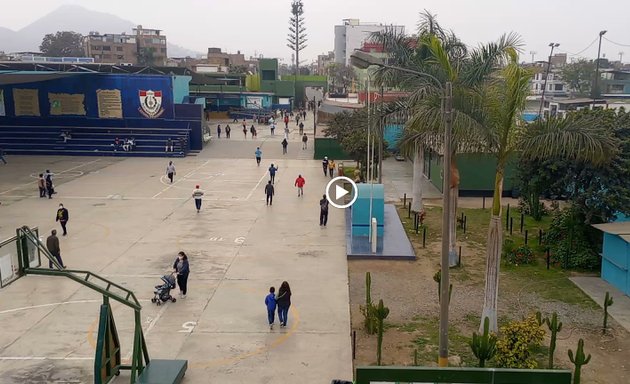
{"x": 582, "y": 51}
{"x": 619, "y": 44}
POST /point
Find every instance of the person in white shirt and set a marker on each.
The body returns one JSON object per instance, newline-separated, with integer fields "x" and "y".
{"x": 197, "y": 195}
{"x": 170, "y": 170}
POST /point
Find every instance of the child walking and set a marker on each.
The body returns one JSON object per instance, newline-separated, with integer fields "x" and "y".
{"x": 270, "y": 302}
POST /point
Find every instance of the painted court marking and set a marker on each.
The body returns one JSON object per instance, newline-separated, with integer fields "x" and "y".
{"x": 180, "y": 179}
{"x": 64, "y": 171}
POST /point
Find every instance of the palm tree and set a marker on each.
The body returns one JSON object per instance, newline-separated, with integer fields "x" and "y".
{"x": 505, "y": 133}
{"x": 441, "y": 55}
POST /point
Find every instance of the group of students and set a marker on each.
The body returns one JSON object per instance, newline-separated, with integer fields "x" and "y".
{"x": 328, "y": 167}
{"x": 281, "y": 301}
{"x": 45, "y": 184}
{"x": 126, "y": 144}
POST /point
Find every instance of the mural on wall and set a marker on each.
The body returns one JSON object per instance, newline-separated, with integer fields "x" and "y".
{"x": 2, "y": 111}
{"x": 151, "y": 104}
{"x": 66, "y": 104}
{"x": 26, "y": 102}
{"x": 109, "y": 103}
{"x": 253, "y": 102}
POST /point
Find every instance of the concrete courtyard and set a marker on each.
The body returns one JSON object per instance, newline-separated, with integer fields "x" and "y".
{"x": 127, "y": 223}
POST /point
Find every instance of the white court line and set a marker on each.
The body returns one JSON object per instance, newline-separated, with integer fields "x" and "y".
{"x": 256, "y": 187}
{"x": 151, "y": 325}
{"x": 53, "y": 304}
{"x": 35, "y": 181}
{"x": 180, "y": 179}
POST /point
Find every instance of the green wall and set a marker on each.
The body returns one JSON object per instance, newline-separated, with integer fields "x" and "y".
{"x": 476, "y": 171}
{"x": 325, "y": 146}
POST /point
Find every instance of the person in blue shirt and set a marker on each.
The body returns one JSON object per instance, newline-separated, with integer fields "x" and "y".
{"x": 270, "y": 302}
{"x": 272, "y": 173}
{"x": 258, "y": 154}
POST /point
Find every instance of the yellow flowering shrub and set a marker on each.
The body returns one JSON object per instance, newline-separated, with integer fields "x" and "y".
{"x": 516, "y": 340}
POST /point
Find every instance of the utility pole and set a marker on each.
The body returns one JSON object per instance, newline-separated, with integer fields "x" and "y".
{"x": 542, "y": 97}
{"x": 595, "y": 92}
{"x": 382, "y": 138}
{"x": 621, "y": 57}
{"x": 446, "y": 203}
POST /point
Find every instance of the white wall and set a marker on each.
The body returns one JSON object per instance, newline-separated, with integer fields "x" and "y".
{"x": 355, "y": 35}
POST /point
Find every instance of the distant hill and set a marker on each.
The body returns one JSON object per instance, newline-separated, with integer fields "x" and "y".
{"x": 72, "y": 18}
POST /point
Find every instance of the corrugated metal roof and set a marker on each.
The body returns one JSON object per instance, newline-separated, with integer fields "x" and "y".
{"x": 616, "y": 228}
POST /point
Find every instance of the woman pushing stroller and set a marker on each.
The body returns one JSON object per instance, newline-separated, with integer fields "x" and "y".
{"x": 182, "y": 270}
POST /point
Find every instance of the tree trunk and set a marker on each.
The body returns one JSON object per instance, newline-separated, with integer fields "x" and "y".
{"x": 454, "y": 194}
{"x": 418, "y": 178}
{"x": 493, "y": 255}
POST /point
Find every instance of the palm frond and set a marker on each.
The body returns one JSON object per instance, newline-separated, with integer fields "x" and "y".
{"x": 581, "y": 139}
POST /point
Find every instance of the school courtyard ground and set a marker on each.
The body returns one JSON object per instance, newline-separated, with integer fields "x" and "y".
{"x": 127, "y": 223}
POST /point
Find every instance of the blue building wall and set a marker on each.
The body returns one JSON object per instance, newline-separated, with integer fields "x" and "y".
{"x": 181, "y": 88}
{"x": 361, "y": 209}
{"x": 392, "y": 135}
{"x": 616, "y": 262}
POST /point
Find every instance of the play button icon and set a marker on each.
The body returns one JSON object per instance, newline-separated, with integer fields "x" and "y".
{"x": 337, "y": 197}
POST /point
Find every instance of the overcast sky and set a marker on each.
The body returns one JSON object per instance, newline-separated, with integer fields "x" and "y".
{"x": 260, "y": 26}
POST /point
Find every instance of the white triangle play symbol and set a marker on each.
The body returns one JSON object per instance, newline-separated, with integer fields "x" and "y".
{"x": 340, "y": 192}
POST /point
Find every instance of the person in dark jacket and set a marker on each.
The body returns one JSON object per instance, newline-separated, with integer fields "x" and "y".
{"x": 272, "y": 173}
{"x": 269, "y": 192}
{"x": 284, "y": 302}
{"x": 182, "y": 269}
{"x": 323, "y": 211}
{"x": 285, "y": 144}
{"x": 50, "y": 189}
{"x": 52, "y": 243}
{"x": 270, "y": 302}
{"x": 62, "y": 218}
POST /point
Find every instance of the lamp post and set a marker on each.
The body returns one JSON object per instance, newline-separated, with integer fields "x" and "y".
{"x": 542, "y": 97}
{"x": 595, "y": 92}
{"x": 363, "y": 60}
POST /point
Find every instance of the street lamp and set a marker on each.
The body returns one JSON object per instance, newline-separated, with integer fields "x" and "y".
{"x": 595, "y": 92}
{"x": 542, "y": 97}
{"x": 363, "y": 60}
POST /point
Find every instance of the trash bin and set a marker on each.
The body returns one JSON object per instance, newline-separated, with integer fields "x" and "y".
{"x": 340, "y": 170}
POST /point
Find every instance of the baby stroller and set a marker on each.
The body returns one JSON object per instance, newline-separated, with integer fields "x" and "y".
{"x": 163, "y": 292}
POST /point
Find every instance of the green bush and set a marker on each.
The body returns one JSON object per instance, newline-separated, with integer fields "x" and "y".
{"x": 520, "y": 255}
{"x": 516, "y": 341}
{"x": 572, "y": 242}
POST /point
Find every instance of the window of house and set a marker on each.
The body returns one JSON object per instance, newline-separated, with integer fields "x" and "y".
{"x": 107, "y": 48}
{"x": 558, "y": 87}
{"x": 119, "y": 49}
{"x": 107, "y": 56}
{"x": 97, "y": 47}
{"x": 616, "y": 88}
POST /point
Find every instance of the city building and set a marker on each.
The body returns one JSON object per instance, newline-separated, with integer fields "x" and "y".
{"x": 615, "y": 83}
{"x": 111, "y": 48}
{"x": 323, "y": 61}
{"x": 151, "y": 46}
{"x": 352, "y": 34}
{"x": 218, "y": 61}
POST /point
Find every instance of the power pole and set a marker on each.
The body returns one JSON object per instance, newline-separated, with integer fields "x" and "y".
{"x": 542, "y": 97}
{"x": 382, "y": 138}
{"x": 446, "y": 203}
{"x": 596, "y": 93}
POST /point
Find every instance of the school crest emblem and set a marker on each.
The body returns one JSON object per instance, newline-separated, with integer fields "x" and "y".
{"x": 151, "y": 104}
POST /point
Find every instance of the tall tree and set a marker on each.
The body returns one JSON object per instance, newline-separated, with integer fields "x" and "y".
{"x": 146, "y": 56}
{"x": 297, "y": 32}
{"x": 63, "y": 44}
{"x": 504, "y": 132}
{"x": 341, "y": 77}
{"x": 579, "y": 77}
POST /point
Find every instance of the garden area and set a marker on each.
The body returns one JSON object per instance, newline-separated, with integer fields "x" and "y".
{"x": 410, "y": 291}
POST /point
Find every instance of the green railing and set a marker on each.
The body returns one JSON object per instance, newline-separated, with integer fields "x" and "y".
{"x": 367, "y": 375}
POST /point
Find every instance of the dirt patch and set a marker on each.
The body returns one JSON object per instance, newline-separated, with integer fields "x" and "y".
{"x": 411, "y": 294}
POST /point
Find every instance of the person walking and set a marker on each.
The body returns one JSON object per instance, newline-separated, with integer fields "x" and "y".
{"x": 197, "y": 195}
{"x": 170, "y": 171}
{"x": 269, "y": 192}
{"x": 331, "y": 168}
{"x": 41, "y": 183}
{"x": 325, "y": 165}
{"x": 272, "y": 173}
{"x": 323, "y": 211}
{"x": 299, "y": 183}
{"x": 49, "y": 185}
{"x": 285, "y": 144}
{"x": 258, "y": 154}
{"x": 182, "y": 269}
{"x": 244, "y": 129}
{"x": 2, "y": 156}
{"x": 273, "y": 129}
{"x": 301, "y": 128}
{"x": 252, "y": 129}
{"x": 286, "y": 121}
{"x": 219, "y": 130}
{"x": 270, "y": 302}
{"x": 304, "y": 141}
{"x": 283, "y": 300}
{"x": 52, "y": 243}
{"x": 227, "y": 131}
{"x": 62, "y": 217}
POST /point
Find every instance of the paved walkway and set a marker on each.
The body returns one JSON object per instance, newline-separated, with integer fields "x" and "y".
{"x": 596, "y": 288}
{"x": 128, "y": 223}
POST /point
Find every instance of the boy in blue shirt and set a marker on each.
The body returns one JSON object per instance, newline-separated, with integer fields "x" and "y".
{"x": 258, "y": 154}
{"x": 270, "y": 302}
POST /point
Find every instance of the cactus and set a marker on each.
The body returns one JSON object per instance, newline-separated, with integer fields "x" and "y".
{"x": 539, "y": 318}
{"x": 554, "y": 326}
{"x": 579, "y": 360}
{"x": 368, "y": 309}
{"x": 484, "y": 346}
{"x": 608, "y": 301}
{"x": 381, "y": 314}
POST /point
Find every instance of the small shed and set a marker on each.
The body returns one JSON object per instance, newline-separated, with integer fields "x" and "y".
{"x": 616, "y": 254}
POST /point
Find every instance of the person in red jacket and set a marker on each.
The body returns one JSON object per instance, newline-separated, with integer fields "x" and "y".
{"x": 299, "y": 183}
